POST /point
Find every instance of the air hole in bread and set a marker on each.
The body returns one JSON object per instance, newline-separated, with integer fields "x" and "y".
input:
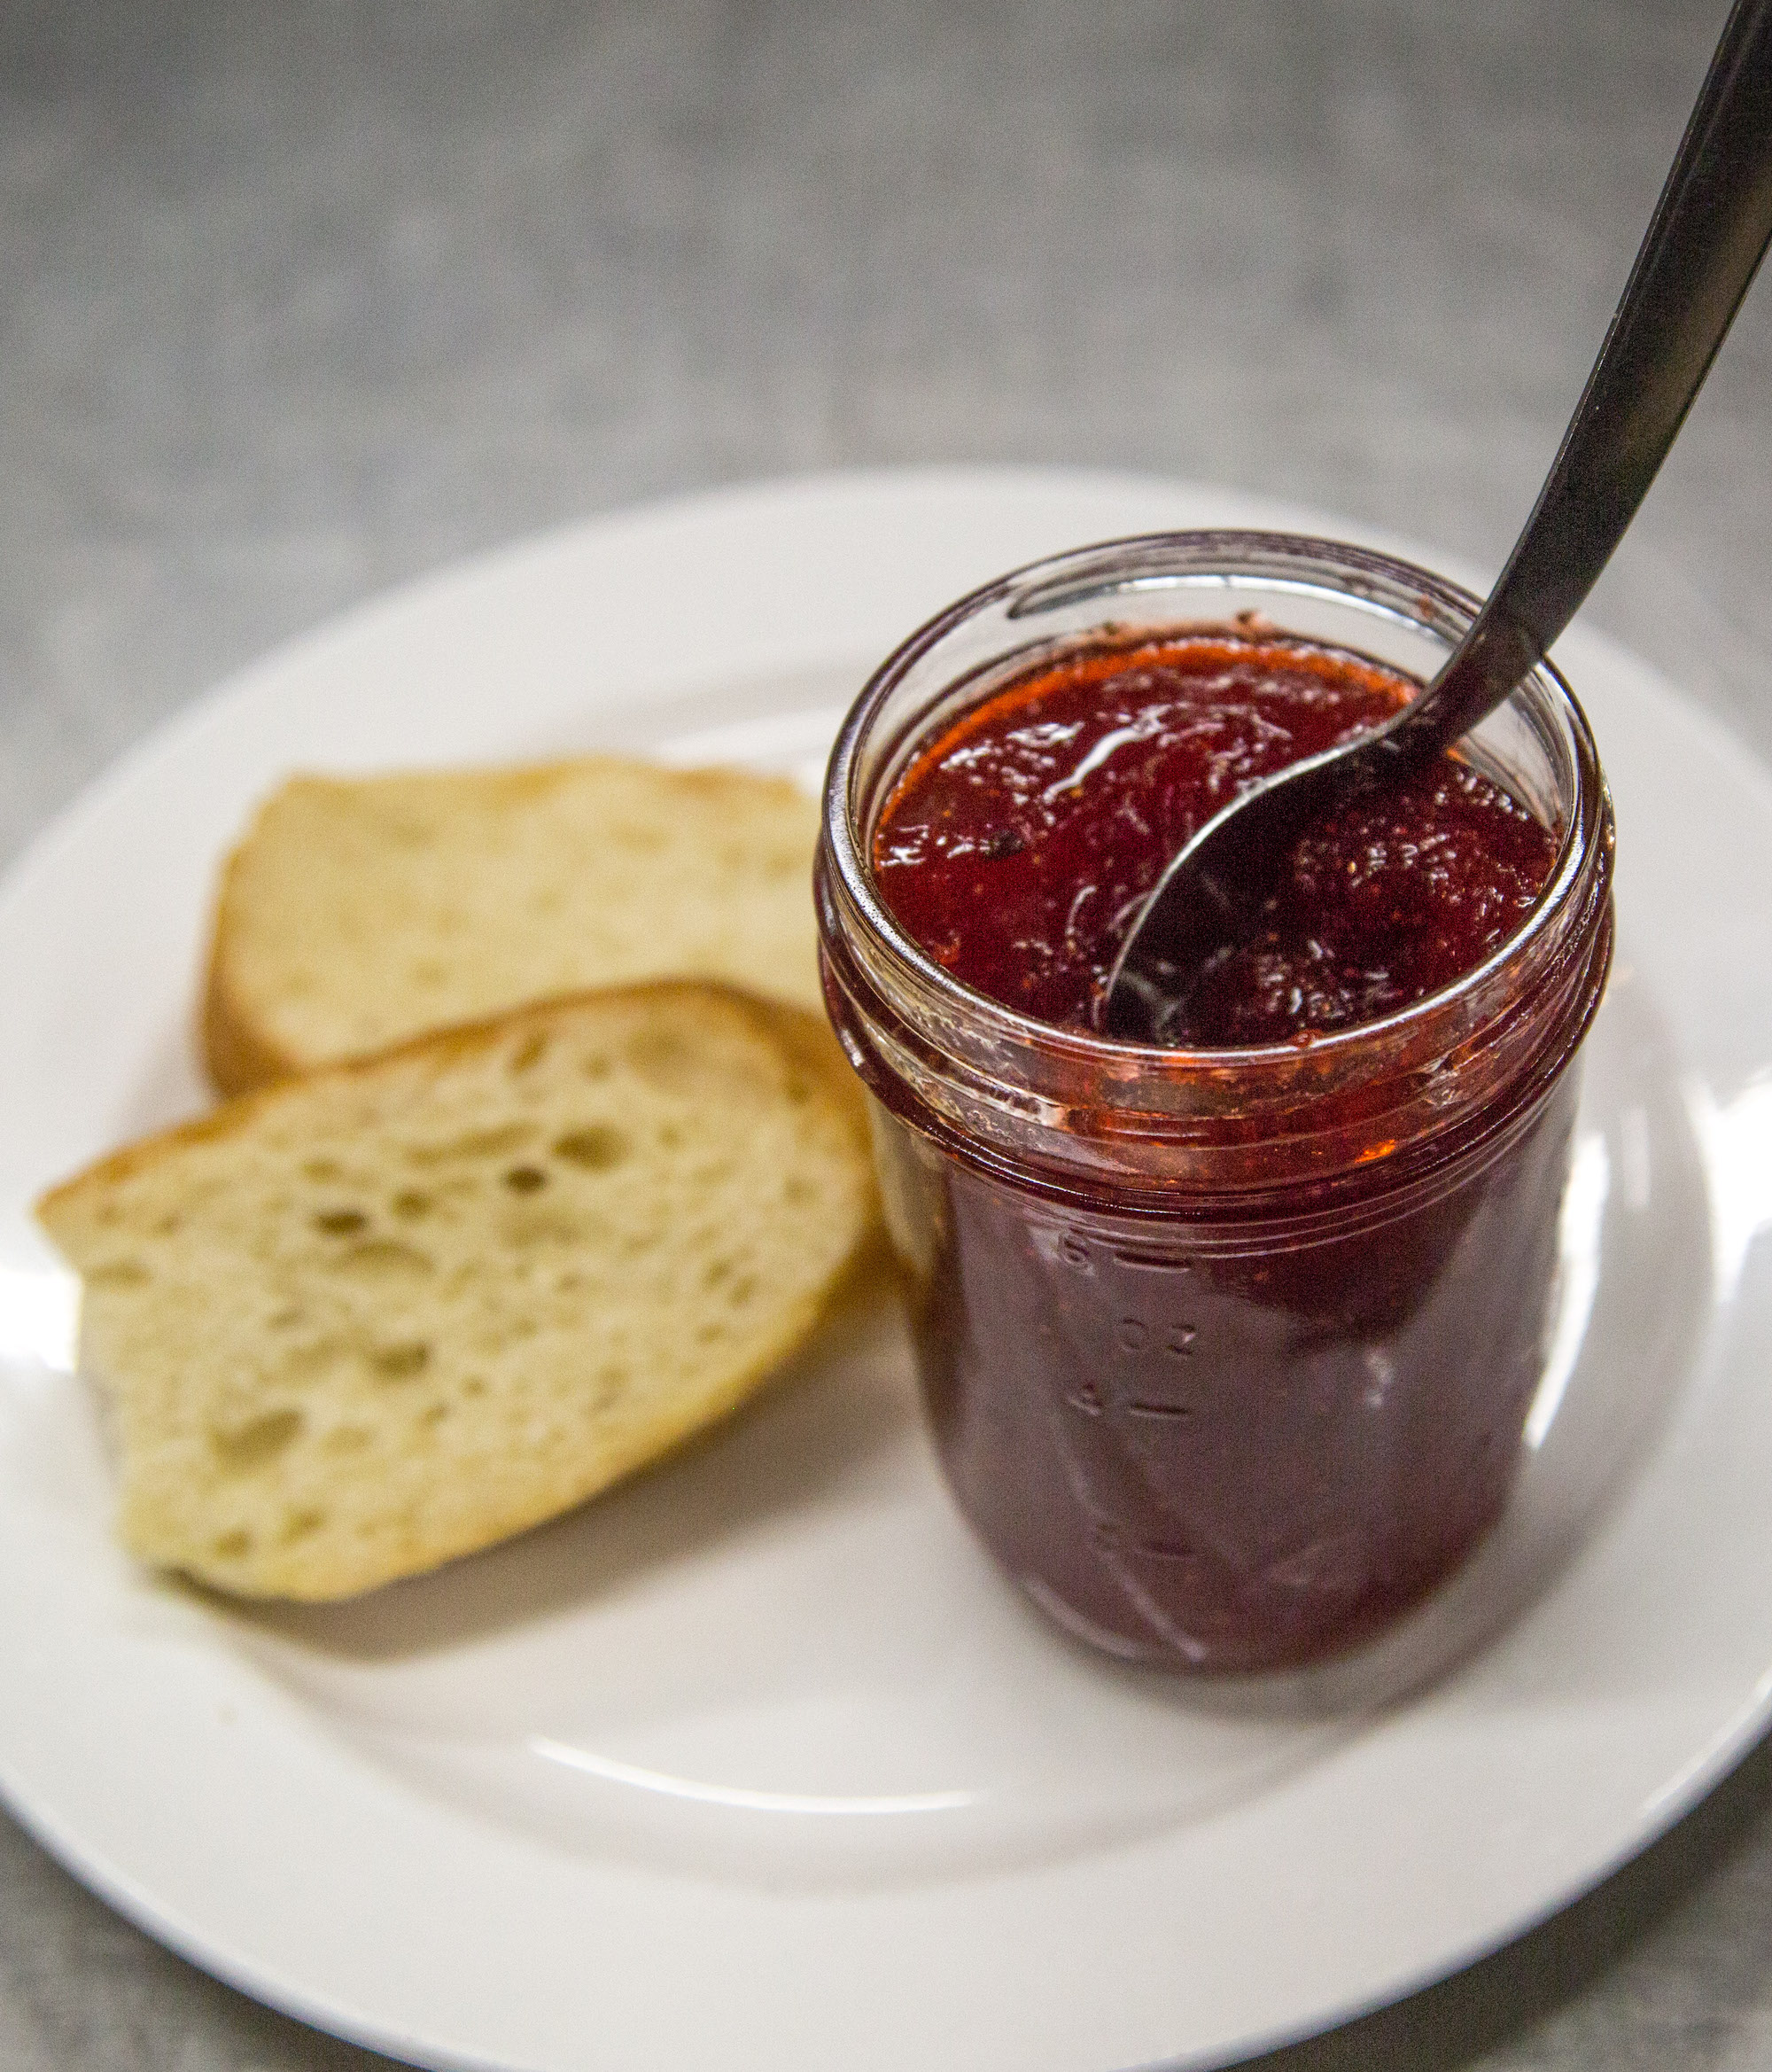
{"x": 341, "y": 1222}
{"x": 408, "y": 830}
{"x": 525, "y": 1179}
{"x": 529, "y": 1053}
{"x": 256, "y": 1443}
{"x": 233, "y": 1546}
{"x": 596, "y": 1149}
{"x": 302, "y": 1362}
{"x": 664, "y": 1060}
{"x": 489, "y": 1143}
{"x": 321, "y": 1169}
{"x": 409, "y": 1205}
{"x": 401, "y": 1363}
{"x": 299, "y": 1525}
{"x": 118, "y": 1274}
{"x": 378, "y": 1259}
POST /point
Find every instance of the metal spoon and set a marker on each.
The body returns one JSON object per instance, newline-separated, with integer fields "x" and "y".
{"x": 1707, "y": 238}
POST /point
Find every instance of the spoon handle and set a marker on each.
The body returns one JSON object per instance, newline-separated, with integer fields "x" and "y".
{"x": 1705, "y": 240}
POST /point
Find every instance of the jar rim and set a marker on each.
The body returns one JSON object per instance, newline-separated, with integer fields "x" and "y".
{"x": 1257, "y": 555}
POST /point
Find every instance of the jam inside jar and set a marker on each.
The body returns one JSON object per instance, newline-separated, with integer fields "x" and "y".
{"x": 1227, "y": 1352}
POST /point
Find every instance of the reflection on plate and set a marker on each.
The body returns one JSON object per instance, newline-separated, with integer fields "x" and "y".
{"x": 758, "y": 1762}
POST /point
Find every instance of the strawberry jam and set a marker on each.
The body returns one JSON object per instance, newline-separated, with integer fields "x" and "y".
{"x": 1228, "y": 1348}
{"x": 1019, "y": 846}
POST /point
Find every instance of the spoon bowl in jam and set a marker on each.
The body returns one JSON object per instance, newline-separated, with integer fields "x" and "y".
{"x": 1704, "y": 243}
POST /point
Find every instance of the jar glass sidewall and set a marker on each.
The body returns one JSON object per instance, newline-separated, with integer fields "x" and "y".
{"x": 1231, "y": 1445}
{"x": 1227, "y": 1356}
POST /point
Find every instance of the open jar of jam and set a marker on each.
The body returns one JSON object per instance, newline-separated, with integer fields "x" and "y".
{"x": 1227, "y": 1347}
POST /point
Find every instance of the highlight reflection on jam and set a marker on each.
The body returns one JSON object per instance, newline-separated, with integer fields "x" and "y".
{"x": 1018, "y": 847}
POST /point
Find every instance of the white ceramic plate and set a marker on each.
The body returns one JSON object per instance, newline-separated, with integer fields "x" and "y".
{"x": 756, "y": 1763}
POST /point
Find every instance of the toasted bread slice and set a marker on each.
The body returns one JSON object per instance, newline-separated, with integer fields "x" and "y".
{"x": 369, "y": 1320}
{"x": 358, "y": 912}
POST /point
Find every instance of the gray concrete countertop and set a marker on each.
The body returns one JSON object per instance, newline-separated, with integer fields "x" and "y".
{"x": 298, "y": 300}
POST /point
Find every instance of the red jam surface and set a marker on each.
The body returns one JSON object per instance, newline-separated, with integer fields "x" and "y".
{"x": 1018, "y": 848}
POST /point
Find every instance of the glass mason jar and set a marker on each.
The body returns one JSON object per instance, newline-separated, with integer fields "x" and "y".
{"x": 1226, "y": 1354}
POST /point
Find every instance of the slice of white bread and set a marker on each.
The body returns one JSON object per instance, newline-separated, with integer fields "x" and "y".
{"x": 357, "y": 912}
{"x": 366, "y": 1320}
